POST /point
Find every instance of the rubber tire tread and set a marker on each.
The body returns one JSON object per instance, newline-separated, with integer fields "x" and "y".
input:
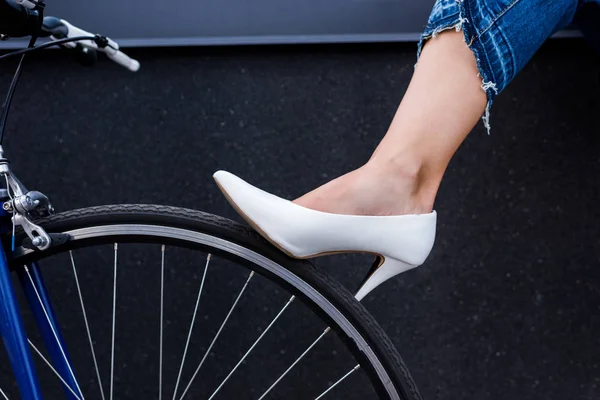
{"x": 245, "y": 236}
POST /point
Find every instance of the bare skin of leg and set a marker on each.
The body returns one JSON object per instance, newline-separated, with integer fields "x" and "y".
{"x": 441, "y": 106}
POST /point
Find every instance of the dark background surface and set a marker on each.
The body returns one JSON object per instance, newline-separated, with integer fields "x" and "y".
{"x": 507, "y": 306}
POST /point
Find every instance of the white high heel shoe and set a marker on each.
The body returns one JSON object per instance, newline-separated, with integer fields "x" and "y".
{"x": 401, "y": 242}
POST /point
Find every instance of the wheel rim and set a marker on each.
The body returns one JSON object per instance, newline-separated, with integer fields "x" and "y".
{"x": 123, "y": 231}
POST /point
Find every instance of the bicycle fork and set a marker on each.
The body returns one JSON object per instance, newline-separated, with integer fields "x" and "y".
{"x": 15, "y": 337}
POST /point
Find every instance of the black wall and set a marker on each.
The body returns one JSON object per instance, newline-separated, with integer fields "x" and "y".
{"x": 508, "y": 304}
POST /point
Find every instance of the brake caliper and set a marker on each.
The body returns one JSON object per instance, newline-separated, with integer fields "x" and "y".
{"x": 25, "y": 206}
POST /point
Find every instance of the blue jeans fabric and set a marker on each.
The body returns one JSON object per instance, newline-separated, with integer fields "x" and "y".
{"x": 503, "y": 34}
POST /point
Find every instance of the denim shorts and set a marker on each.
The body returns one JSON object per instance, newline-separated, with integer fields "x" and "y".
{"x": 503, "y": 34}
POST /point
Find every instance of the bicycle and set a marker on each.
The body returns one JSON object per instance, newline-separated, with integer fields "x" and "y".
{"x": 32, "y": 232}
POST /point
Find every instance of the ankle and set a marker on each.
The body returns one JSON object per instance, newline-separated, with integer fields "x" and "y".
{"x": 414, "y": 179}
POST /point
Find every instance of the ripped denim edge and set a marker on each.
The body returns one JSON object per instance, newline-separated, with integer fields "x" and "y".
{"x": 473, "y": 43}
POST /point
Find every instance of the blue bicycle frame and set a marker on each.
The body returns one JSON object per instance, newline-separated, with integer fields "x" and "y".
{"x": 13, "y": 332}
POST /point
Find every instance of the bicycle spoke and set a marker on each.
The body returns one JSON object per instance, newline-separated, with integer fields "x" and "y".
{"x": 295, "y": 362}
{"x": 114, "y": 312}
{"x": 217, "y": 334}
{"x": 253, "y": 346}
{"x": 53, "y": 370}
{"x": 338, "y": 382}
{"x": 162, "y": 291}
{"x": 3, "y": 395}
{"x": 187, "y": 343}
{"x": 62, "y": 351}
{"x": 87, "y": 327}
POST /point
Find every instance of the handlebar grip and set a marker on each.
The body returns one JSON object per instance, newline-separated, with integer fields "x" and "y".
{"x": 123, "y": 59}
{"x": 27, "y": 4}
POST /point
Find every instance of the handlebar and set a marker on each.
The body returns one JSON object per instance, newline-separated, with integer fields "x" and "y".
{"x": 58, "y": 29}
{"x": 26, "y": 18}
{"x": 123, "y": 59}
{"x": 22, "y": 18}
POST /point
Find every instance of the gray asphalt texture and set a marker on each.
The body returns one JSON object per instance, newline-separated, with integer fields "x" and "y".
{"x": 507, "y": 306}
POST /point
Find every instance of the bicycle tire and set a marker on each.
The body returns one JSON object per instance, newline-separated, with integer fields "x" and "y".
{"x": 102, "y": 218}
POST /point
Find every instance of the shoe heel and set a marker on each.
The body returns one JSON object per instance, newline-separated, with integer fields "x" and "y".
{"x": 383, "y": 269}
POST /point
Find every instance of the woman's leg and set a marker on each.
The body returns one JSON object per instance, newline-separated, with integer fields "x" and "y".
{"x": 442, "y": 104}
{"x": 444, "y": 100}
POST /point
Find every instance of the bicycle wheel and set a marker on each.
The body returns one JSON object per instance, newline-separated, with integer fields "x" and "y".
{"x": 349, "y": 350}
